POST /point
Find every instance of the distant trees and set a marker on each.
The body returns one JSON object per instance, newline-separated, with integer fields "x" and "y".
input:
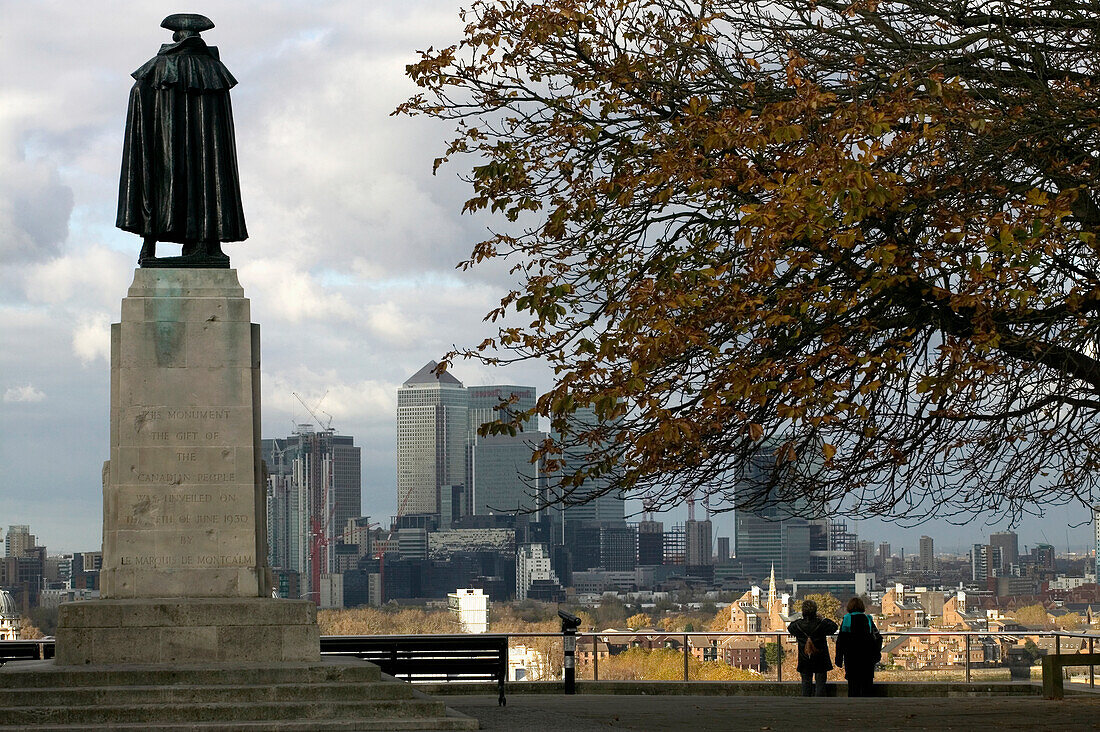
{"x": 667, "y": 664}
{"x": 840, "y": 252}
{"x": 378, "y": 621}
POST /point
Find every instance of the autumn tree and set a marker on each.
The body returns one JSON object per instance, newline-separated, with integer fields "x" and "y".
{"x": 827, "y": 606}
{"x": 1033, "y": 616}
{"x": 639, "y": 620}
{"x": 839, "y": 252}
{"x": 1069, "y": 621}
{"x": 28, "y": 631}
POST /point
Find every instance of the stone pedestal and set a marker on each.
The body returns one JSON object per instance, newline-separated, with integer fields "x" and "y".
{"x": 184, "y": 521}
{"x": 187, "y": 631}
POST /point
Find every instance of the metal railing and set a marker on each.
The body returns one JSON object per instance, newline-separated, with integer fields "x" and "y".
{"x": 594, "y": 647}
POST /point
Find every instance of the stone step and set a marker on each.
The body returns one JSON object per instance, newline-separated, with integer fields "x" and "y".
{"x": 452, "y": 721}
{"x": 72, "y": 696}
{"x": 162, "y": 714}
{"x": 46, "y": 674}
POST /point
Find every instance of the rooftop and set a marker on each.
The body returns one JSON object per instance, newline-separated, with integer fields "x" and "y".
{"x": 425, "y": 376}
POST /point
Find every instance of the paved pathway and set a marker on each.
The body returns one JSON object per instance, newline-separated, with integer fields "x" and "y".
{"x": 588, "y": 712}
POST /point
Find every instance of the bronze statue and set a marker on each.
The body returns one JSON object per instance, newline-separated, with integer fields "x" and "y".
{"x": 179, "y": 162}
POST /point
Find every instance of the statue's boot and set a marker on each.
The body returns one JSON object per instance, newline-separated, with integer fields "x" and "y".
{"x": 214, "y": 254}
{"x": 148, "y": 250}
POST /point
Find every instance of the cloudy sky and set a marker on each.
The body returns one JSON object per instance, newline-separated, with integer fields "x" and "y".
{"x": 349, "y": 264}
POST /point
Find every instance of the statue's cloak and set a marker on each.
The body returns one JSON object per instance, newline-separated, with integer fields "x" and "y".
{"x": 179, "y": 162}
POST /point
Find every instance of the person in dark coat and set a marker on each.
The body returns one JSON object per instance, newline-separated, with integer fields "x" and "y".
{"x": 179, "y": 180}
{"x": 811, "y": 632}
{"x": 858, "y": 648}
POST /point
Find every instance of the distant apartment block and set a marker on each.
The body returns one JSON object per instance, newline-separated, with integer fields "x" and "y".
{"x": 18, "y": 541}
{"x": 927, "y": 555}
{"x": 532, "y": 569}
{"x": 470, "y": 608}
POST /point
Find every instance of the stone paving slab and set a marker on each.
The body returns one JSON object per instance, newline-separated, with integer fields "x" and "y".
{"x": 587, "y": 713}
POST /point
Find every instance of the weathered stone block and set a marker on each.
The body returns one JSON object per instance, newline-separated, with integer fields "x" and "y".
{"x": 201, "y": 630}
{"x": 184, "y": 572}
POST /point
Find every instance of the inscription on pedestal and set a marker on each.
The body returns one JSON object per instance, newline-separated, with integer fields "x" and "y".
{"x": 183, "y": 473}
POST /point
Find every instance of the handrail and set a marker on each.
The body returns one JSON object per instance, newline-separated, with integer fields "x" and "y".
{"x": 588, "y": 643}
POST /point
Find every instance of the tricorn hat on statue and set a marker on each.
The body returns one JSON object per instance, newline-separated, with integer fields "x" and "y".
{"x": 187, "y": 22}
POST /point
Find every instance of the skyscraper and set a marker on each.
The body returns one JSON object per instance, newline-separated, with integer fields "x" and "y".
{"x": 441, "y": 456}
{"x": 590, "y": 503}
{"x": 697, "y": 535}
{"x": 1010, "y": 547}
{"x": 927, "y": 557}
{"x": 771, "y": 536}
{"x": 485, "y": 405}
{"x": 432, "y": 431}
{"x": 723, "y": 548}
{"x": 651, "y": 542}
{"x": 503, "y": 477}
{"x": 985, "y": 561}
{"x": 499, "y": 473}
{"x": 775, "y": 533}
{"x": 314, "y": 487}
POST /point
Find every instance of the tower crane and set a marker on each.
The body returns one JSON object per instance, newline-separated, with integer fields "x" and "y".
{"x": 323, "y": 424}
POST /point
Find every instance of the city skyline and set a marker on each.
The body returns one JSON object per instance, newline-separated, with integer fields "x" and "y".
{"x": 350, "y": 264}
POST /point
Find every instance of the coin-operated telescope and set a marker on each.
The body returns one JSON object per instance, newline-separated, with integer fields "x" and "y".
{"x": 569, "y": 625}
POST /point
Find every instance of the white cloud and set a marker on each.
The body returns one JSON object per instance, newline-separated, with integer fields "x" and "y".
{"x": 330, "y": 398}
{"x": 95, "y": 274}
{"x": 92, "y": 337}
{"x": 291, "y": 293}
{"x": 27, "y": 393}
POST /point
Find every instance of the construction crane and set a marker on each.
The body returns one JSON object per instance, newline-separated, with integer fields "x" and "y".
{"x": 323, "y": 424}
{"x": 319, "y": 538}
{"x": 320, "y": 534}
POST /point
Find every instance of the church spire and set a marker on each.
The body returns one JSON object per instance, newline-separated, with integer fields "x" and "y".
{"x": 771, "y": 588}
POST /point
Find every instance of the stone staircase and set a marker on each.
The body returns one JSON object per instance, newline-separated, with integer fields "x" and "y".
{"x": 330, "y": 695}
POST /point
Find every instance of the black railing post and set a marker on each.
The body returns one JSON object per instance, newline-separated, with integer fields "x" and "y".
{"x": 1092, "y": 669}
{"x": 967, "y": 636}
{"x": 595, "y": 659}
{"x": 569, "y": 644}
{"x": 686, "y": 657}
{"x": 778, "y": 656}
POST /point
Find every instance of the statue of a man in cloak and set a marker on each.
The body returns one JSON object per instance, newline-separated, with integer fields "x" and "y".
{"x": 179, "y": 163}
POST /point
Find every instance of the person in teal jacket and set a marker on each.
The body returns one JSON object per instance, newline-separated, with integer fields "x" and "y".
{"x": 858, "y": 648}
